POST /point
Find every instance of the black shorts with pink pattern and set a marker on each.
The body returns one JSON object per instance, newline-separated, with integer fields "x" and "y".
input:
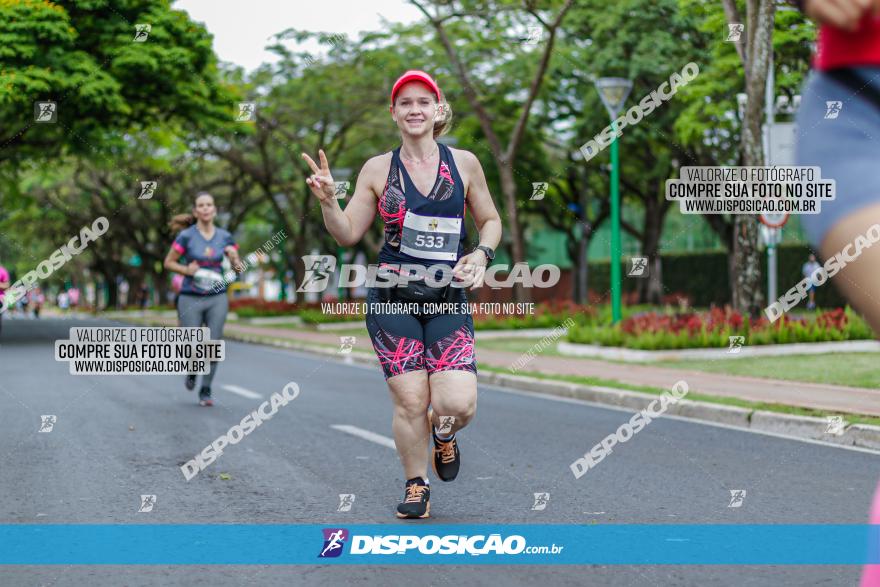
{"x": 406, "y": 342}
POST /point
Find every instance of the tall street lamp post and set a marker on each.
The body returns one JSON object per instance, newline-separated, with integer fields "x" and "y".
{"x": 613, "y": 91}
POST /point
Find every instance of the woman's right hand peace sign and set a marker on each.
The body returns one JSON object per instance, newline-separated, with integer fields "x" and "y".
{"x": 321, "y": 182}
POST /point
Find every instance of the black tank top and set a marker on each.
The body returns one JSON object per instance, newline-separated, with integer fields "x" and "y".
{"x": 423, "y": 229}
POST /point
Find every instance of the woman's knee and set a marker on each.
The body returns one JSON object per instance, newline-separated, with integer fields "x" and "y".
{"x": 462, "y": 408}
{"x": 460, "y": 403}
{"x": 410, "y": 410}
{"x": 410, "y": 396}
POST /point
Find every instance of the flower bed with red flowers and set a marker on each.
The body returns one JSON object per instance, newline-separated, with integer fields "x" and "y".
{"x": 547, "y": 315}
{"x": 712, "y": 329}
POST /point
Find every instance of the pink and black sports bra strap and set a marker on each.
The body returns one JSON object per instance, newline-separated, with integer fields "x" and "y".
{"x": 423, "y": 227}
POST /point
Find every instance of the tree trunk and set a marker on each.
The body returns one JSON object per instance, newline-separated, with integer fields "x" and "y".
{"x": 579, "y": 252}
{"x": 160, "y": 282}
{"x": 135, "y": 281}
{"x": 747, "y": 294}
{"x": 298, "y": 248}
{"x": 299, "y": 271}
{"x": 573, "y": 249}
{"x": 111, "y": 291}
{"x": 99, "y": 291}
{"x": 582, "y": 268}
{"x": 517, "y": 245}
{"x": 650, "y": 289}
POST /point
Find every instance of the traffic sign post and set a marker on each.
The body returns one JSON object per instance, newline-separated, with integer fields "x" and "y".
{"x": 771, "y": 235}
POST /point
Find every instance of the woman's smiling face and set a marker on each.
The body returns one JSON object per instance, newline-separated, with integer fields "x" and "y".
{"x": 414, "y": 109}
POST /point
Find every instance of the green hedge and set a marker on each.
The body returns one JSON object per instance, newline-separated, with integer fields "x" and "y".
{"x": 781, "y": 332}
{"x": 703, "y": 276}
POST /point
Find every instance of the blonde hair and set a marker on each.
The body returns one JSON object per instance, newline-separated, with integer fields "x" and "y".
{"x": 444, "y": 124}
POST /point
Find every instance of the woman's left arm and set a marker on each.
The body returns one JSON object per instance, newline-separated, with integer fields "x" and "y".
{"x": 485, "y": 215}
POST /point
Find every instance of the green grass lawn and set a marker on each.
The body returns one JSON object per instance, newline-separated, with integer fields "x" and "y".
{"x": 852, "y": 369}
{"x": 517, "y": 345}
{"x": 698, "y": 397}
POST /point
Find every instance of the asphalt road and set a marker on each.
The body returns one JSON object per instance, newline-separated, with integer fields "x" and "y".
{"x": 118, "y": 437}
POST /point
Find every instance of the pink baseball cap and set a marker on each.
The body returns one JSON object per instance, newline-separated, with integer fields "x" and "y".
{"x": 414, "y": 75}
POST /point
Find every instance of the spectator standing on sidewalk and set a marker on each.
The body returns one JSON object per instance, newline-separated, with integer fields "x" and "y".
{"x": 808, "y": 269}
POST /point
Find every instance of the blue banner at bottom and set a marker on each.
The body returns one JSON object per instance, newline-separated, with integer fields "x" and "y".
{"x": 635, "y": 544}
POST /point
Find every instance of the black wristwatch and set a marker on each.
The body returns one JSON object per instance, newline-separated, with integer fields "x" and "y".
{"x": 490, "y": 254}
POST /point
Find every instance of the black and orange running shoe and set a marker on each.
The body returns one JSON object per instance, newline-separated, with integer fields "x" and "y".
{"x": 446, "y": 458}
{"x": 416, "y": 500}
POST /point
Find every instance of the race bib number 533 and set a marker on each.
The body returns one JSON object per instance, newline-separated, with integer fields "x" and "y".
{"x": 430, "y": 237}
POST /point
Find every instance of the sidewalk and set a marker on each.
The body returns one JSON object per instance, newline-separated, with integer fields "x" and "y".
{"x": 830, "y": 398}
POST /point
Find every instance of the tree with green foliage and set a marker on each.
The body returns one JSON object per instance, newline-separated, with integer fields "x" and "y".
{"x": 496, "y": 35}
{"x": 621, "y": 46}
{"x": 714, "y": 129}
{"x": 84, "y": 56}
{"x": 112, "y": 82}
{"x": 301, "y": 107}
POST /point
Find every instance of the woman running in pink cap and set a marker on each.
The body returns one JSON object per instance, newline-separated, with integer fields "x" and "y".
{"x": 422, "y": 190}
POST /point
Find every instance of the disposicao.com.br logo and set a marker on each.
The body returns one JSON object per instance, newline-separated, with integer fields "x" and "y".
{"x": 335, "y": 538}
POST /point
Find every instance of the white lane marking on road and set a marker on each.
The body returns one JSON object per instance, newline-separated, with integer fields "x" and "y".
{"x": 365, "y": 434}
{"x": 242, "y": 391}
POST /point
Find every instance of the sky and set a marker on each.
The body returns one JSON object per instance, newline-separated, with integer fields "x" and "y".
{"x": 242, "y": 29}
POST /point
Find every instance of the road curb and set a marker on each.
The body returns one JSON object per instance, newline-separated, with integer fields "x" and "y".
{"x": 730, "y": 415}
{"x": 594, "y": 351}
{"x": 860, "y": 435}
{"x": 810, "y": 428}
{"x": 790, "y": 424}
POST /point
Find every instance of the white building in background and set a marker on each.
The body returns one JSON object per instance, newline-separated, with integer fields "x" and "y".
{"x": 260, "y": 279}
